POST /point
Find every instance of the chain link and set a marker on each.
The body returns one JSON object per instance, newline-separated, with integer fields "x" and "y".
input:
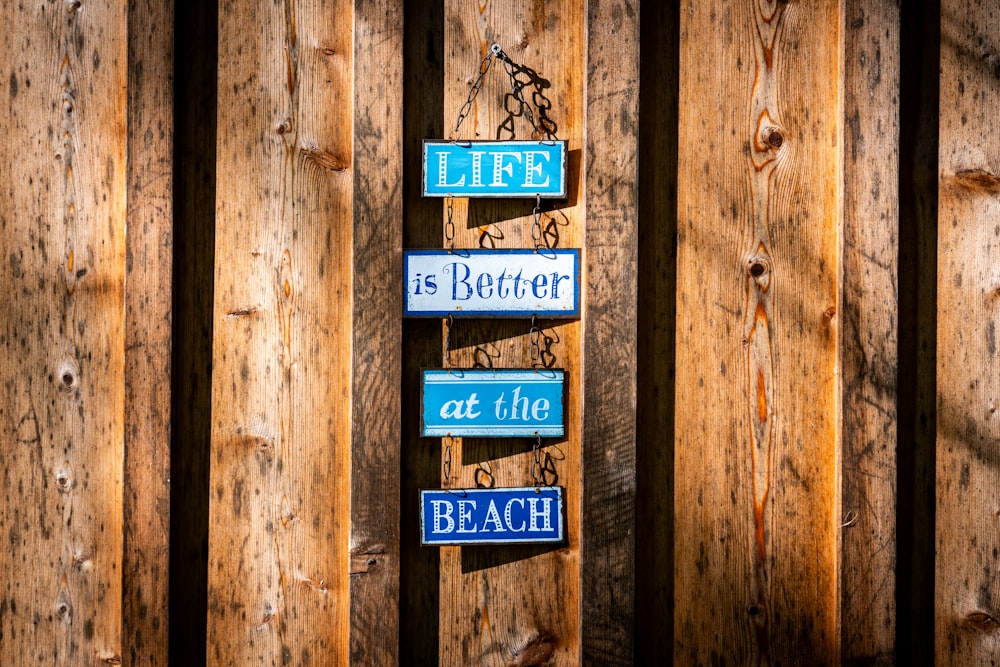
{"x": 534, "y": 347}
{"x": 484, "y": 67}
{"x": 536, "y": 224}
{"x": 511, "y": 68}
{"x": 447, "y": 340}
{"x": 446, "y": 463}
{"x": 537, "y": 471}
{"x": 449, "y": 226}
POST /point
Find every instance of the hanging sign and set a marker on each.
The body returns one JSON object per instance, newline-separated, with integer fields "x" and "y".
{"x": 495, "y": 169}
{"x": 491, "y": 516}
{"x": 509, "y": 403}
{"x": 491, "y": 283}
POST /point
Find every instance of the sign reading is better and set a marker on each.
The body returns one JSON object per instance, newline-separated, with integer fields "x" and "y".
{"x": 492, "y": 283}
{"x": 495, "y": 169}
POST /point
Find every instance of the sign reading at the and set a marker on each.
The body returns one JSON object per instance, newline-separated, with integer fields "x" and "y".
{"x": 506, "y": 403}
{"x": 495, "y": 169}
{"x": 491, "y": 283}
{"x": 491, "y": 516}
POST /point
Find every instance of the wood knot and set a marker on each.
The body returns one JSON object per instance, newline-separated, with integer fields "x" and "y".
{"x": 978, "y": 180}
{"x": 536, "y": 651}
{"x": 64, "y": 478}
{"x": 774, "y": 138}
{"x": 755, "y": 610}
{"x": 324, "y": 159}
{"x": 982, "y": 622}
{"x": 68, "y": 375}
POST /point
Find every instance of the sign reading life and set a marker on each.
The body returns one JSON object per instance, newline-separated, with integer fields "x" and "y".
{"x": 495, "y": 169}
{"x": 492, "y": 283}
{"x": 507, "y": 403}
{"x": 491, "y": 516}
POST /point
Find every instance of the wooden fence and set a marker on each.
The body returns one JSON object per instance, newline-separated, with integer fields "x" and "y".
{"x": 781, "y": 420}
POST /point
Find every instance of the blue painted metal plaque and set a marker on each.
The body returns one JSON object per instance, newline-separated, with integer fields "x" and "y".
{"x": 491, "y": 283}
{"x": 495, "y": 169}
{"x": 509, "y": 403}
{"x": 523, "y": 515}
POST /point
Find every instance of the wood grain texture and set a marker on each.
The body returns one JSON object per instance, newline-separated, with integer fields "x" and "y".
{"x": 607, "y": 540}
{"x": 420, "y": 463}
{"x": 62, "y": 240}
{"x": 515, "y": 604}
{"x": 281, "y": 427}
{"x": 755, "y": 538}
{"x": 967, "y": 606}
{"x": 868, "y": 312}
{"x": 376, "y": 331}
{"x": 148, "y": 324}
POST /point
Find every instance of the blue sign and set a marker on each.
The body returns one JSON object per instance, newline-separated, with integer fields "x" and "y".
{"x": 492, "y": 403}
{"x": 495, "y": 169}
{"x": 491, "y": 516}
{"x": 491, "y": 283}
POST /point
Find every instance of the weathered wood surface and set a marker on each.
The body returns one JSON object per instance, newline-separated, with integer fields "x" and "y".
{"x": 62, "y": 344}
{"x": 420, "y": 464}
{"x": 148, "y": 325}
{"x": 281, "y": 427}
{"x": 655, "y": 320}
{"x": 756, "y": 453}
{"x": 376, "y": 331}
{"x": 967, "y": 605}
{"x": 608, "y": 480}
{"x": 868, "y": 313}
{"x": 516, "y": 604}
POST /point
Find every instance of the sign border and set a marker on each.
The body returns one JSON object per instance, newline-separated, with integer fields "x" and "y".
{"x": 500, "y": 195}
{"x": 548, "y": 432}
{"x": 570, "y": 314}
{"x": 560, "y": 509}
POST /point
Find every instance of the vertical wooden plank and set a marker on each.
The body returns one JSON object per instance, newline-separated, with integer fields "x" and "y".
{"x": 967, "y": 609}
{"x": 868, "y": 343}
{"x": 756, "y": 465}
{"x": 655, "y": 319}
{"x": 514, "y": 603}
{"x": 149, "y": 248}
{"x": 62, "y": 243}
{"x": 194, "y": 89}
{"x": 917, "y": 268}
{"x": 376, "y": 332}
{"x": 281, "y": 427}
{"x": 421, "y": 458}
{"x": 607, "y": 541}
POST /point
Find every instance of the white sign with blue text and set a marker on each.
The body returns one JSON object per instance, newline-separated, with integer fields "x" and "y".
{"x": 492, "y": 283}
{"x": 508, "y": 403}
{"x": 495, "y": 169}
{"x": 525, "y": 515}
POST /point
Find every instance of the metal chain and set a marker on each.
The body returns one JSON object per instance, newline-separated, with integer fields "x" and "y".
{"x": 449, "y": 226}
{"x": 447, "y": 340}
{"x": 517, "y": 86}
{"x": 534, "y": 348}
{"x": 446, "y": 464}
{"x": 536, "y": 225}
{"x": 484, "y": 67}
{"x": 537, "y": 471}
